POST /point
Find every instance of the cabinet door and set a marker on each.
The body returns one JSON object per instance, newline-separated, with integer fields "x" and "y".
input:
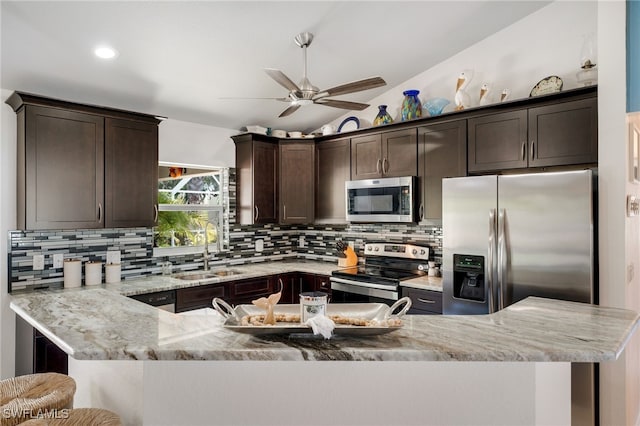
{"x": 366, "y": 157}
{"x": 400, "y": 153}
{"x": 289, "y": 283}
{"x": 131, "y": 173}
{"x": 244, "y": 291}
{"x": 564, "y": 134}
{"x": 62, "y": 186}
{"x": 188, "y": 299}
{"x": 333, "y": 169}
{"x": 441, "y": 153}
{"x": 296, "y": 182}
{"x": 498, "y": 142}
{"x": 265, "y": 182}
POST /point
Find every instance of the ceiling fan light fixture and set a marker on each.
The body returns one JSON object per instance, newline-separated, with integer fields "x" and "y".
{"x": 302, "y": 102}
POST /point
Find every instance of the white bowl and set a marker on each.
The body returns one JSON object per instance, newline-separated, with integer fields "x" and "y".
{"x": 295, "y": 134}
{"x": 279, "y": 133}
{"x": 257, "y": 129}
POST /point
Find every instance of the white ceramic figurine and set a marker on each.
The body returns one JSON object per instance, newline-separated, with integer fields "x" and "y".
{"x": 462, "y": 99}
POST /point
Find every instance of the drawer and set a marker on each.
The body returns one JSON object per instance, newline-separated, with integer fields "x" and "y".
{"x": 424, "y": 300}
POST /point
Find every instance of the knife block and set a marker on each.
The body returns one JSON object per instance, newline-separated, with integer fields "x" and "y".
{"x": 350, "y": 260}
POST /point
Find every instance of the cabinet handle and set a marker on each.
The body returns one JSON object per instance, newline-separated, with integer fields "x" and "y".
{"x": 524, "y": 151}
{"x": 99, "y": 212}
{"x": 421, "y": 211}
{"x": 281, "y": 284}
{"x": 420, "y": 299}
{"x": 284, "y": 211}
{"x": 385, "y": 165}
{"x": 155, "y": 212}
{"x": 533, "y": 149}
{"x": 378, "y": 164}
{"x": 255, "y": 216}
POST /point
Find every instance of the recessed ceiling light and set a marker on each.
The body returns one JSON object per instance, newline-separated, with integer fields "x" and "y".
{"x": 105, "y": 52}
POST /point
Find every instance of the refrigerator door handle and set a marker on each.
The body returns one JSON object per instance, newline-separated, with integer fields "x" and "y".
{"x": 502, "y": 260}
{"x": 491, "y": 260}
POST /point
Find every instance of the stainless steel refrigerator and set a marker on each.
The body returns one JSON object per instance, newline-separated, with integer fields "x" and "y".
{"x": 508, "y": 237}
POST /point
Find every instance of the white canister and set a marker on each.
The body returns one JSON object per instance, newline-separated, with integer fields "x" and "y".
{"x": 112, "y": 273}
{"x": 93, "y": 273}
{"x": 72, "y": 269}
{"x": 312, "y": 304}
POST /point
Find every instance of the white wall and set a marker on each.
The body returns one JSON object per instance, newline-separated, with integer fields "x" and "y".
{"x": 547, "y": 42}
{"x": 619, "y": 237}
{"x": 197, "y": 144}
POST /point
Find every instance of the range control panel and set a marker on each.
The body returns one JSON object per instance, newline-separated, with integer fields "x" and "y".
{"x": 406, "y": 251}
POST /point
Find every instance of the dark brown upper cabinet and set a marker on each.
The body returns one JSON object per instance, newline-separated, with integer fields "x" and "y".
{"x": 333, "y": 169}
{"x": 296, "y": 179}
{"x": 557, "y": 134}
{"x": 389, "y": 154}
{"x": 564, "y": 134}
{"x": 257, "y": 179}
{"x": 78, "y": 168}
{"x": 442, "y": 153}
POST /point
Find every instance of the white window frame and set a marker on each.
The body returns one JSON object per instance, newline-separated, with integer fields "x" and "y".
{"x": 222, "y": 226}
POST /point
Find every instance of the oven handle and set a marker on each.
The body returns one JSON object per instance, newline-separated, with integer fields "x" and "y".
{"x": 360, "y": 284}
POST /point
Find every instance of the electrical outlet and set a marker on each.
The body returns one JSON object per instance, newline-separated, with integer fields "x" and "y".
{"x": 301, "y": 241}
{"x": 259, "y": 245}
{"x": 113, "y": 256}
{"x": 58, "y": 260}
{"x": 38, "y": 262}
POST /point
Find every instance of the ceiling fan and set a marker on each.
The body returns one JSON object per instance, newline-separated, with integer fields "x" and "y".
{"x": 305, "y": 93}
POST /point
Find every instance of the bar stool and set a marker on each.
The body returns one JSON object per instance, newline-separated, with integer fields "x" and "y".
{"x": 31, "y": 395}
{"x": 79, "y": 417}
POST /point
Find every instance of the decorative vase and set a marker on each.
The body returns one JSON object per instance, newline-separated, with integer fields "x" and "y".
{"x": 383, "y": 116}
{"x": 435, "y": 106}
{"x": 411, "y": 106}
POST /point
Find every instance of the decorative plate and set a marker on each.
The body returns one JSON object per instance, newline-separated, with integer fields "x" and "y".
{"x": 551, "y": 84}
{"x": 349, "y": 124}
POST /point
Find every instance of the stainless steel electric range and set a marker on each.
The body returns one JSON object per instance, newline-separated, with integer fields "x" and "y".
{"x": 378, "y": 278}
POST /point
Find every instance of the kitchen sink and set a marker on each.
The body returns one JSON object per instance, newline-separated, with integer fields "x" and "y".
{"x": 192, "y": 276}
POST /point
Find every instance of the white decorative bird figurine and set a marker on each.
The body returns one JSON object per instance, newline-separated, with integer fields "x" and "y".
{"x": 462, "y": 99}
{"x": 484, "y": 94}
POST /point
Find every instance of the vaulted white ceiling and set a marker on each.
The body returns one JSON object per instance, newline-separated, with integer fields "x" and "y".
{"x": 179, "y": 58}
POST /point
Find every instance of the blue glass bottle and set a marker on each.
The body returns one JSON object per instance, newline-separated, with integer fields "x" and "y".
{"x": 383, "y": 116}
{"x": 411, "y": 106}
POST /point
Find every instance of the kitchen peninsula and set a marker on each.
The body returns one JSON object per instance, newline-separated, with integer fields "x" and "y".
{"x": 156, "y": 367}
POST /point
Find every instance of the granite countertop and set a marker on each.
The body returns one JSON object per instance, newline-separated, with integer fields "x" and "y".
{"x": 98, "y": 324}
{"x": 155, "y": 283}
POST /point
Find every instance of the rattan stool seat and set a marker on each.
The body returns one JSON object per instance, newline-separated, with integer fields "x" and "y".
{"x": 33, "y": 395}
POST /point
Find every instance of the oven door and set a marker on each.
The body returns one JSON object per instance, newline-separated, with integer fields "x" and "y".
{"x": 351, "y": 291}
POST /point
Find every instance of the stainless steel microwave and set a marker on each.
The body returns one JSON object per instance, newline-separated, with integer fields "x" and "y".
{"x": 381, "y": 200}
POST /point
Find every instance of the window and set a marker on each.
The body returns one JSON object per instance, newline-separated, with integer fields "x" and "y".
{"x": 193, "y": 210}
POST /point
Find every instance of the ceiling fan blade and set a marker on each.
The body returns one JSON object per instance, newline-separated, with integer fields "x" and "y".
{"x": 343, "y": 104}
{"x": 354, "y": 86}
{"x": 243, "y": 98}
{"x": 282, "y": 79}
{"x": 289, "y": 111}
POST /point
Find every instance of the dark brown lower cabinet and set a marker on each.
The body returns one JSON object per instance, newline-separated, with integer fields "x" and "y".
{"x": 244, "y": 291}
{"x": 423, "y": 302}
{"x": 48, "y": 358}
{"x": 188, "y": 299}
{"x": 290, "y": 284}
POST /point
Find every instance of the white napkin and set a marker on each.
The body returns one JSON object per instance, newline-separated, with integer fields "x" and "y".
{"x": 321, "y": 325}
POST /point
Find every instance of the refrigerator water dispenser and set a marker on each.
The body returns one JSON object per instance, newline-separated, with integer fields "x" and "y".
{"x": 468, "y": 277}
